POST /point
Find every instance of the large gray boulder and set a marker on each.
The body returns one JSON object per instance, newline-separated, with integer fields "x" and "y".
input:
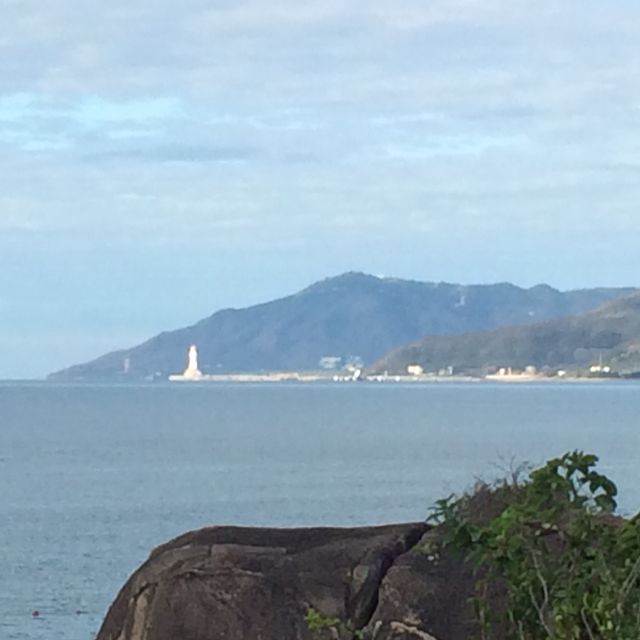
{"x": 234, "y": 583}
{"x": 426, "y": 594}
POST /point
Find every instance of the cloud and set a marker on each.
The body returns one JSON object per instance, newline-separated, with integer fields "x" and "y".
{"x": 249, "y": 49}
{"x": 177, "y": 153}
{"x": 304, "y": 132}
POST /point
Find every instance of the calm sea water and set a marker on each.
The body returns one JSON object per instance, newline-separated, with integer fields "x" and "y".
{"x": 92, "y": 477}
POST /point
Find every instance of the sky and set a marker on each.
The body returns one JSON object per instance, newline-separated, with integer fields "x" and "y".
{"x": 160, "y": 160}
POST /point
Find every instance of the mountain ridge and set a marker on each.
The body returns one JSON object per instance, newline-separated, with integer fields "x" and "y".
{"x": 350, "y": 315}
{"x": 611, "y": 332}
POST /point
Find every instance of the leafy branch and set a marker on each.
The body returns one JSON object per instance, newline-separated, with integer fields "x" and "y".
{"x": 570, "y": 568}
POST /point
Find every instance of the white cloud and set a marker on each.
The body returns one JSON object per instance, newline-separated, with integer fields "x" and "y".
{"x": 278, "y": 128}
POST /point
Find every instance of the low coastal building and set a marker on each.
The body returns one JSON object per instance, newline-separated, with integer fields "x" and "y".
{"x": 330, "y": 362}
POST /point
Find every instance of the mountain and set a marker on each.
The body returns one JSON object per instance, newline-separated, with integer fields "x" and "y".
{"x": 610, "y": 332}
{"x": 347, "y": 316}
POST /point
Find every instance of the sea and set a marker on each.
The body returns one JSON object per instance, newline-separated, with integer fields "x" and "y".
{"x": 92, "y": 477}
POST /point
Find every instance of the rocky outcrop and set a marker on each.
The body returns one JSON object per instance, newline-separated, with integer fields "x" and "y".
{"x": 234, "y": 583}
{"x": 424, "y": 596}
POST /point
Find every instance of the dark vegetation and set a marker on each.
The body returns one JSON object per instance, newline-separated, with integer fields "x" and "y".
{"x": 319, "y": 624}
{"x": 552, "y": 560}
{"x": 610, "y": 333}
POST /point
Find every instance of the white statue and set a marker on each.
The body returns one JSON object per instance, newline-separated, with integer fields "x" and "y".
{"x": 193, "y": 358}
{"x": 192, "y": 370}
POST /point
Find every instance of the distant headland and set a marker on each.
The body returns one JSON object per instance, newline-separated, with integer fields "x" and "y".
{"x": 358, "y": 326}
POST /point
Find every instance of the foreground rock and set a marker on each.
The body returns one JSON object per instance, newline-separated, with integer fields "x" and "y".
{"x": 236, "y": 583}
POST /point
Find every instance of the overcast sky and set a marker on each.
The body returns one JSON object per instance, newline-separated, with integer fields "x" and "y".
{"x": 160, "y": 160}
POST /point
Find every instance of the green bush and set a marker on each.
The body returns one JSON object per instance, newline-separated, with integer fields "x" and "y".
{"x": 318, "y": 624}
{"x": 551, "y": 553}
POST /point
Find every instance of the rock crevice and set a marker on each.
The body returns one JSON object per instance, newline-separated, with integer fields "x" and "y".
{"x": 368, "y": 576}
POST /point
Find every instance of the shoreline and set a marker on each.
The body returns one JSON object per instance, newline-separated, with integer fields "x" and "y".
{"x": 317, "y": 378}
{"x": 311, "y": 378}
